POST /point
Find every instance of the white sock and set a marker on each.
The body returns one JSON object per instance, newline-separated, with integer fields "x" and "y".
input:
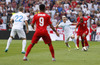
{"x": 23, "y": 45}
{"x": 8, "y": 42}
{"x": 74, "y": 40}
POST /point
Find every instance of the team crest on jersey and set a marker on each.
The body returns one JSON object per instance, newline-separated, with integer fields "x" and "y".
{"x": 83, "y": 24}
{"x": 84, "y": 21}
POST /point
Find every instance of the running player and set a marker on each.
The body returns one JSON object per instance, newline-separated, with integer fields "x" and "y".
{"x": 67, "y": 30}
{"x": 42, "y": 20}
{"x": 82, "y": 29}
{"x": 17, "y": 27}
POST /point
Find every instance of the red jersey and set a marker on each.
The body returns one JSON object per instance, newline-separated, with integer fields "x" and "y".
{"x": 42, "y": 20}
{"x": 83, "y": 26}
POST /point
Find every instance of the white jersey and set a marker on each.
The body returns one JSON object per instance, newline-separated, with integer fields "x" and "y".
{"x": 66, "y": 28}
{"x": 19, "y": 19}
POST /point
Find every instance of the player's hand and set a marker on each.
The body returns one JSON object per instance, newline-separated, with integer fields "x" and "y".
{"x": 27, "y": 31}
{"x": 75, "y": 30}
{"x": 83, "y": 35}
{"x": 57, "y": 34}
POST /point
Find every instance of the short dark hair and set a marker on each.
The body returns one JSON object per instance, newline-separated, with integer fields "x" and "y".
{"x": 20, "y": 8}
{"x": 42, "y": 7}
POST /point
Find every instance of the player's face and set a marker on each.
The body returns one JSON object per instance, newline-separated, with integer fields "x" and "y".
{"x": 64, "y": 19}
{"x": 80, "y": 13}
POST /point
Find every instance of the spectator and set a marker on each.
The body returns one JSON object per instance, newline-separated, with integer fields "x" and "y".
{"x": 72, "y": 17}
{"x": 8, "y": 1}
{"x": 48, "y": 11}
{"x": 95, "y": 6}
{"x": 69, "y": 13}
{"x": 54, "y": 21}
{"x": 66, "y": 5}
{"x": 60, "y": 8}
{"x": 93, "y": 34}
{"x": 14, "y": 5}
{"x": 98, "y": 23}
{"x": 88, "y": 12}
{"x": 89, "y": 5}
{"x": 53, "y": 11}
{"x": 27, "y": 7}
{"x": 83, "y": 5}
{"x": 4, "y": 18}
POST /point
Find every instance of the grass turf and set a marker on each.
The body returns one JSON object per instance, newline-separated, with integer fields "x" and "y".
{"x": 40, "y": 54}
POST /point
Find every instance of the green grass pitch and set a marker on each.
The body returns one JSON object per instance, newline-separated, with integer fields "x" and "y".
{"x": 40, "y": 54}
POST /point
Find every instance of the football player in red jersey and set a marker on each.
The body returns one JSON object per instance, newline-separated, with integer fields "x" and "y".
{"x": 82, "y": 29}
{"x": 42, "y": 20}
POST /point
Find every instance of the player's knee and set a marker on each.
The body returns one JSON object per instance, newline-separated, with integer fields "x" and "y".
{"x": 33, "y": 44}
{"x": 11, "y": 37}
{"x": 23, "y": 38}
{"x": 77, "y": 37}
{"x": 72, "y": 36}
{"x": 49, "y": 44}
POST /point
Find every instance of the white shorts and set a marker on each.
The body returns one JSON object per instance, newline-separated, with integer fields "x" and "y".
{"x": 20, "y": 33}
{"x": 67, "y": 37}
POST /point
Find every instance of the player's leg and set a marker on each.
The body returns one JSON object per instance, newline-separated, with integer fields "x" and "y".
{"x": 22, "y": 35}
{"x": 23, "y": 45}
{"x": 82, "y": 41}
{"x": 12, "y": 34}
{"x": 28, "y": 51}
{"x": 74, "y": 40}
{"x": 85, "y": 39}
{"x": 35, "y": 39}
{"x": 52, "y": 51}
{"x": 66, "y": 42}
{"x": 46, "y": 38}
{"x": 77, "y": 41}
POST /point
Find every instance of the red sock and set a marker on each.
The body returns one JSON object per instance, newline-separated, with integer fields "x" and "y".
{"x": 51, "y": 50}
{"x": 86, "y": 43}
{"x": 28, "y": 50}
{"x": 82, "y": 41}
{"x": 77, "y": 42}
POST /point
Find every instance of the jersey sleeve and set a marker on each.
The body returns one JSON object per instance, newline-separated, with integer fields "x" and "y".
{"x": 60, "y": 25}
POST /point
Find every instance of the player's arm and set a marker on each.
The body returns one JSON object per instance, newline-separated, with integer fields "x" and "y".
{"x": 32, "y": 25}
{"x": 57, "y": 24}
{"x": 26, "y": 26}
{"x": 79, "y": 22}
{"x": 73, "y": 23}
{"x": 54, "y": 29}
{"x": 11, "y": 21}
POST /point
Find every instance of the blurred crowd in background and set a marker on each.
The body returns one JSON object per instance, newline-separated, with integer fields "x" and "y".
{"x": 54, "y": 8}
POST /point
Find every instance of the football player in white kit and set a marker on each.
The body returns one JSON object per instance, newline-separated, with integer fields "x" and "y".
{"x": 17, "y": 27}
{"x": 67, "y": 30}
